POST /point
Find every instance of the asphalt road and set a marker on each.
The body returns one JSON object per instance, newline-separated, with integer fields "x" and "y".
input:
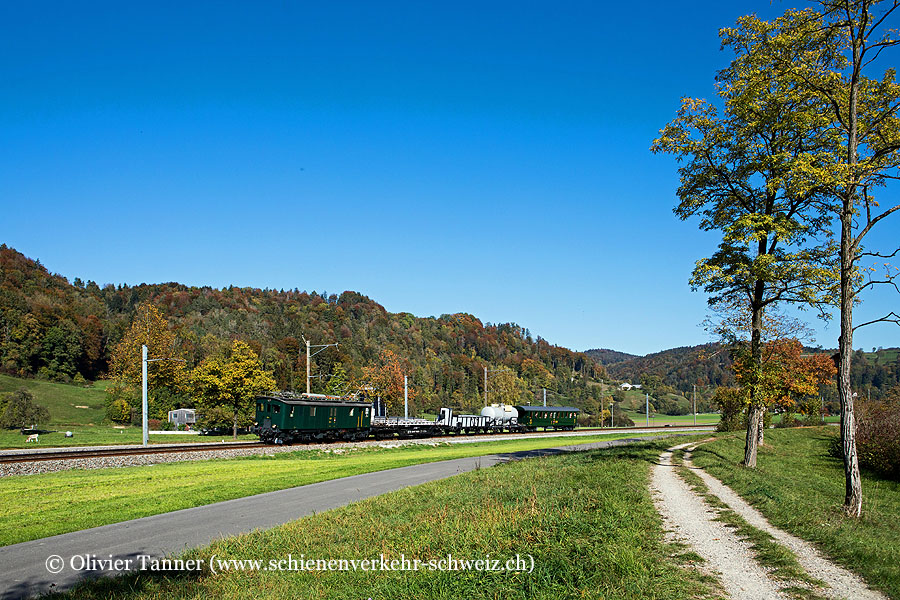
{"x": 25, "y": 568}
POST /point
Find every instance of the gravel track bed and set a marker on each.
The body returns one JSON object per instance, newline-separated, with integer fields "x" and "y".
{"x": 104, "y": 462}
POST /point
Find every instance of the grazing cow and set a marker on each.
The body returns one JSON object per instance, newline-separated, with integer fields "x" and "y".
{"x": 33, "y": 438}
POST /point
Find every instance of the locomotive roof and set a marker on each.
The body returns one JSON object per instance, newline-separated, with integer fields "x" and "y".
{"x": 314, "y": 400}
{"x": 549, "y": 408}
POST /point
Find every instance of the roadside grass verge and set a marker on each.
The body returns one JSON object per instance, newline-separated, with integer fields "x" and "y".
{"x": 64, "y": 501}
{"x": 587, "y": 520}
{"x": 799, "y": 487}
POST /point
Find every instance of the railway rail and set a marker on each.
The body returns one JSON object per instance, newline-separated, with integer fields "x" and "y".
{"x": 77, "y": 452}
{"x": 80, "y": 452}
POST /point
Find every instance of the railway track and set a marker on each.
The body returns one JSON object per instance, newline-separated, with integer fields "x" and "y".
{"x": 19, "y": 456}
{"x": 87, "y": 452}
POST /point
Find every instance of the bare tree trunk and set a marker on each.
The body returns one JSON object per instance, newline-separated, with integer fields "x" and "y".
{"x": 755, "y": 415}
{"x": 750, "y": 447}
{"x": 762, "y": 427}
{"x": 853, "y": 481}
{"x": 234, "y": 430}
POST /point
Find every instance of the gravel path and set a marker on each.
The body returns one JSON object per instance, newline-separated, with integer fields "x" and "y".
{"x": 842, "y": 583}
{"x": 691, "y": 521}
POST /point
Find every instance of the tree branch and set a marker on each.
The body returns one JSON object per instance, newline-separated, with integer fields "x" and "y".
{"x": 891, "y": 317}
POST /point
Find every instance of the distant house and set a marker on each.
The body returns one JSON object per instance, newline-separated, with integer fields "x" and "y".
{"x": 183, "y": 416}
{"x": 627, "y": 386}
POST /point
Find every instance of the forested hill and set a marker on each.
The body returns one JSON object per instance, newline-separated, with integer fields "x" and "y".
{"x": 708, "y": 365}
{"x": 609, "y": 357}
{"x": 58, "y": 330}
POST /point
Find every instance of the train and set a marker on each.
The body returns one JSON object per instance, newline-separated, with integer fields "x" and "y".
{"x": 288, "y": 418}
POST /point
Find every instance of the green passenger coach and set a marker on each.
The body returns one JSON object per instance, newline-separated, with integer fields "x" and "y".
{"x": 548, "y": 417}
{"x": 287, "y": 418}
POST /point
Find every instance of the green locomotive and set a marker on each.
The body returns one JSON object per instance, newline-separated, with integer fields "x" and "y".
{"x": 285, "y": 418}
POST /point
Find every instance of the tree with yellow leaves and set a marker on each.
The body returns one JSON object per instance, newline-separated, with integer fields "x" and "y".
{"x": 164, "y": 377}
{"x": 745, "y": 174}
{"x": 230, "y": 384}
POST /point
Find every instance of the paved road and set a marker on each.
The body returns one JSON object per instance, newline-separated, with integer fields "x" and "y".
{"x": 23, "y": 567}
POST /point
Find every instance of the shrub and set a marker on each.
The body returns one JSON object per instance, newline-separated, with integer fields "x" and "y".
{"x": 118, "y": 410}
{"x": 731, "y": 404}
{"x": 154, "y": 424}
{"x": 20, "y": 410}
{"x": 877, "y": 436}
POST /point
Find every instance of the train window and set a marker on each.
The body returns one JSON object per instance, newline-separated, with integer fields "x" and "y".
{"x": 333, "y": 411}
{"x": 276, "y": 409}
{"x": 260, "y": 407}
{"x": 312, "y": 411}
{"x": 367, "y": 411}
{"x": 292, "y": 412}
{"x": 351, "y": 411}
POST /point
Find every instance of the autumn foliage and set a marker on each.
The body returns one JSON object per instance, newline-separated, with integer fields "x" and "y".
{"x": 786, "y": 375}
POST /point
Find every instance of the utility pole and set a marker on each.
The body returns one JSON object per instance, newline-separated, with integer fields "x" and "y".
{"x": 405, "y": 398}
{"x": 144, "y": 403}
{"x": 612, "y": 409}
{"x": 695, "y": 403}
{"x": 647, "y": 399}
{"x": 310, "y": 355}
{"x": 146, "y": 436}
{"x": 485, "y": 386}
{"x": 545, "y": 396}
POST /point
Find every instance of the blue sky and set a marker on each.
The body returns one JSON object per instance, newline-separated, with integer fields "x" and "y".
{"x": 489, "y": 158}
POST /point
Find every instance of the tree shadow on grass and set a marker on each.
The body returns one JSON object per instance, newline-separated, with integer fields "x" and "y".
{"x": 128, "y": 584}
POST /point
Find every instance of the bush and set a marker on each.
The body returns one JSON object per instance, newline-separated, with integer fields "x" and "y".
{"x": 731, "y": 404}
{"x": 877, "y": 436}
{"x": 788, "y": 419}
{"x": 118, "y": 410}
{"x": 18, "y": 409}
{"x": 154, "y": 424}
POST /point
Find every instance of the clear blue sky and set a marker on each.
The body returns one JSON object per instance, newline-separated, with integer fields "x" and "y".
{"x": 485, "y": 157}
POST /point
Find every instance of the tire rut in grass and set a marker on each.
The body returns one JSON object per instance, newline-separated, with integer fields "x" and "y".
{"x": 691, "y": 521}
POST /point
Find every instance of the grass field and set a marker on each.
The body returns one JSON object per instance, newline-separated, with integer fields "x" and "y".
{"x": 800, "y": 488}
{"x": 587, "y": 520}
{"x": 640, "y": 419}
{"x": 68, "y": 404}
{"x": 73, "y": 500}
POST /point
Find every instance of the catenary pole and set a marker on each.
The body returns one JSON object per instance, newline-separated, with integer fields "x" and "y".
{"x": 144, "y": 424}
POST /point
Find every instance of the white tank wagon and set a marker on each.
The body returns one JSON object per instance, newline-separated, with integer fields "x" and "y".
{"x": 501, "y": 414}
{"x": 496, "y": 418}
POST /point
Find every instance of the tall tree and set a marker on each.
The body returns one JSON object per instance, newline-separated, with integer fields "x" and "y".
{"x": 741, "y": 175}
{"x": 387, "y": 379}
{"x": 828, "y": 53}
{"x": 149, "y": 328}
{"x": 231, "y": 383}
